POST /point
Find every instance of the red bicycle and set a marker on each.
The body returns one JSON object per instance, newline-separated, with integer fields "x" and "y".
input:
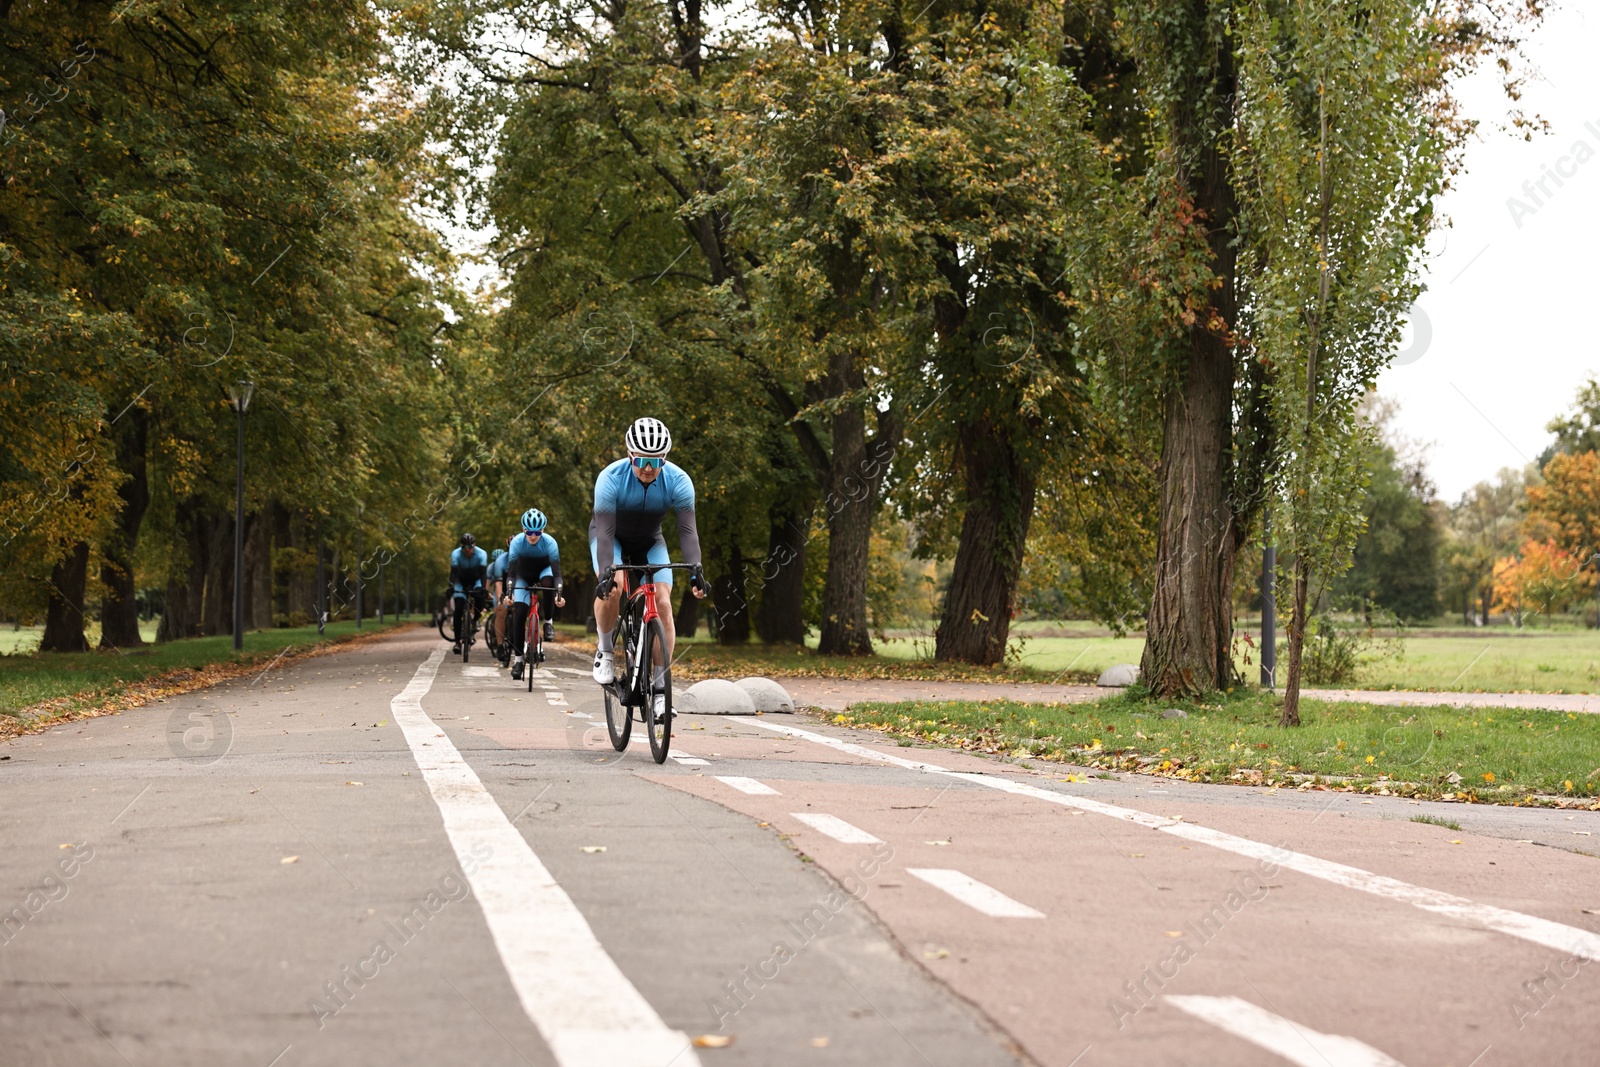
{"x": 640, "y": 642}
{"x": 533, "y": 640}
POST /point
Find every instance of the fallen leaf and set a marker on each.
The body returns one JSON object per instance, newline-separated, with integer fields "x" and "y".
{"x": 936, "y": 842}
{"x": 1585, "y": 833}
{"x": 713, "y": 1041}
{"x": 1488, "y": 776}
{"x": 289, "y": 859}
{"x": 67, "y": 845}
{"x": 597, "y": 848}
{"x": 819, "y": 1042}
{"x": 353, "y": 783}
{"x": 1173, "y": 933}
{"x": 936, "y": 954}
{"x": 1591, "y": 911}
{"x": 1457, "y": 841}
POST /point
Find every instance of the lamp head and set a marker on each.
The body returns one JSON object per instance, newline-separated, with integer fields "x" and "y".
{"x": 239, "y": 395}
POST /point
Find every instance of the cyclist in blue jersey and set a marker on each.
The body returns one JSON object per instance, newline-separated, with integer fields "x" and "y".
{"x": 631, "y": 497}
{"x": 469, "y": 564}
{"x": 500, "y": 597}
{"x": 534, "y": 562}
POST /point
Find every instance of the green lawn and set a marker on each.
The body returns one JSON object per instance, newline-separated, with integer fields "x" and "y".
{"x": 1497, "y": 659}
{"x": 28, "y": 679}
{"x": 1492, "y": 755}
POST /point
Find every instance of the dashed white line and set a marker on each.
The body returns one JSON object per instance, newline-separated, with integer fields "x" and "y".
{"x": 1567, "y": 939}
{"x": 582, "y": 1004}
{"x": 1295, "y": 1042}
{"x": 835, "y": 828}
{"x": 975, "y": 894}
{"x": 747, "y": 785}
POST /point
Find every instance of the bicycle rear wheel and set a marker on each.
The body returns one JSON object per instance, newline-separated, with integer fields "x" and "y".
{"x": 446, "y": 620}
{"x": 659, "y": 726}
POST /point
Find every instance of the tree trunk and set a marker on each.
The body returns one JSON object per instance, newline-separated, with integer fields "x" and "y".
{"x": 686, "y": 620}
{"x": 257, "y": 572}
{"x": 119, "y": 611}
{"x": 781, "y": 617}
{"x": 63, "y": 618}
{"x": 1189, "y": 634}
{"x": 186, "y": 594}
{"x": 855, "y": 472}
{"x": 976, "y": 620}
{"x": 217, "y": 615}
{"x": 728, "y": 594}
{"x": 1297, "y": 644}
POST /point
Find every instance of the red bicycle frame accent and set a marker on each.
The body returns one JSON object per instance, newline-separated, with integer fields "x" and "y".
{"x": 646, "y": 590}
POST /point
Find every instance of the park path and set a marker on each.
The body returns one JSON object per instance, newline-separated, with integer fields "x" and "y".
{"x": 386, "y": 855}
{"x": 836, "y": 694}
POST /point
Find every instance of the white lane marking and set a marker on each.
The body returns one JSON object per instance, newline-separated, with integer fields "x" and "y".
{"x": 481, "y": 672}
{"x": 747, "y": 785}
{"x": 685, "y": 758}
{"x": 835, "y": 828}
{"x": 1568, "y": 939}
{"x": 582, "y": 1004}
{"x": 1295, "y": 1042}
{"x": 975, "y": 894}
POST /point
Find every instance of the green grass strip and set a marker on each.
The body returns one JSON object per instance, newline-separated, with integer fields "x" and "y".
{"x": 1494, "y": 755}
{"x": 82, "y": 679}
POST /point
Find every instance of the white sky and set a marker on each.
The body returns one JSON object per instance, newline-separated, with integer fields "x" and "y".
{"x": 1511, "y": 307}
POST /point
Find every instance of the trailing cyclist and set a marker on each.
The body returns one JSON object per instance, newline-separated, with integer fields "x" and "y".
{"x": 500, "y": 596}
{"x": 469, "y": 566}
{"x": 534, "y": 562}
{"x": 631, "y": 497}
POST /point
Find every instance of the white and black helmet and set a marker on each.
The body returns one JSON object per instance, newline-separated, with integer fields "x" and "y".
{"x": 649, "y": 437}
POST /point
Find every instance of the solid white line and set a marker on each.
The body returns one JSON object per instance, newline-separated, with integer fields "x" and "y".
{"x": 1571, "y": 940}
{"x": 835, "y": 828}
{"x": 582, "y": 1004}
{"x": 1293, "y": 1041}
{"x": 747, "y": 785}
{"x": 975, "y": 894}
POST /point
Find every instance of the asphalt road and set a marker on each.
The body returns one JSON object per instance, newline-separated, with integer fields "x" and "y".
{"x": 385, "y": 857}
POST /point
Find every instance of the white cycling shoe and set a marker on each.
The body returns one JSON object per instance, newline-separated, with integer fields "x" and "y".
{"x": 660, "y": 705}
{"x": 605, "y": 668}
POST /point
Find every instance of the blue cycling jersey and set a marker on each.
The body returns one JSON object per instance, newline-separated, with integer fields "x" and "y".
{"x": 528, "y": 561}
{"x": 628, "y": 513}
{"x": 497, "y": 566}
{"x": 467, "y": 570}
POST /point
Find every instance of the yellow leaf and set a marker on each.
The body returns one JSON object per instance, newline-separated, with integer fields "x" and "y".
{"x": 936, "y": 954}
{"x": 289, "y": 859}
{"x": 1456, "y": 841}
{"x": 713, "y": 1041}
{"x": 1488, "y": 776}
{"x": 594, "y": 848}
{"x": 819, "y": 1042}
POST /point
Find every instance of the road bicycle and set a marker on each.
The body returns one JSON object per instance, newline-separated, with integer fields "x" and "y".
{"x": 533, "y": 639}
{"x": 639, "y": 642}
{"x": 497, "y": 633}
{"x": 469, "y": 632}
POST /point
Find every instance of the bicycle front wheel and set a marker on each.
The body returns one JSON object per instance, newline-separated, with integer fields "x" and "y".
{"x": 659, "y": 723}
{"x": 619, "y": 721}
{"x": 531, "y": 648}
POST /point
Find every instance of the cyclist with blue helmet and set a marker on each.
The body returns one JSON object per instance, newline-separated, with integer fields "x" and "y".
{"x": 534, "y": 562}
{"x": 631, "y": 498}
{"x": 469, "y": 565}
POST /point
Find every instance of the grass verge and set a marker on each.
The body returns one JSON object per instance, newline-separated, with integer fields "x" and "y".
{"x": 704, "y": 659}
{"x": 43, "y": 689}
{"x": 1478, "y": 755}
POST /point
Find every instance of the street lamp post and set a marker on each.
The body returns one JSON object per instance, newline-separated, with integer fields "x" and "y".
{"x": 358, "y": 566}
{"x": 1269, "y": 608}
{"x": 322, "y": 588}
{"x": 239, "y": 396}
